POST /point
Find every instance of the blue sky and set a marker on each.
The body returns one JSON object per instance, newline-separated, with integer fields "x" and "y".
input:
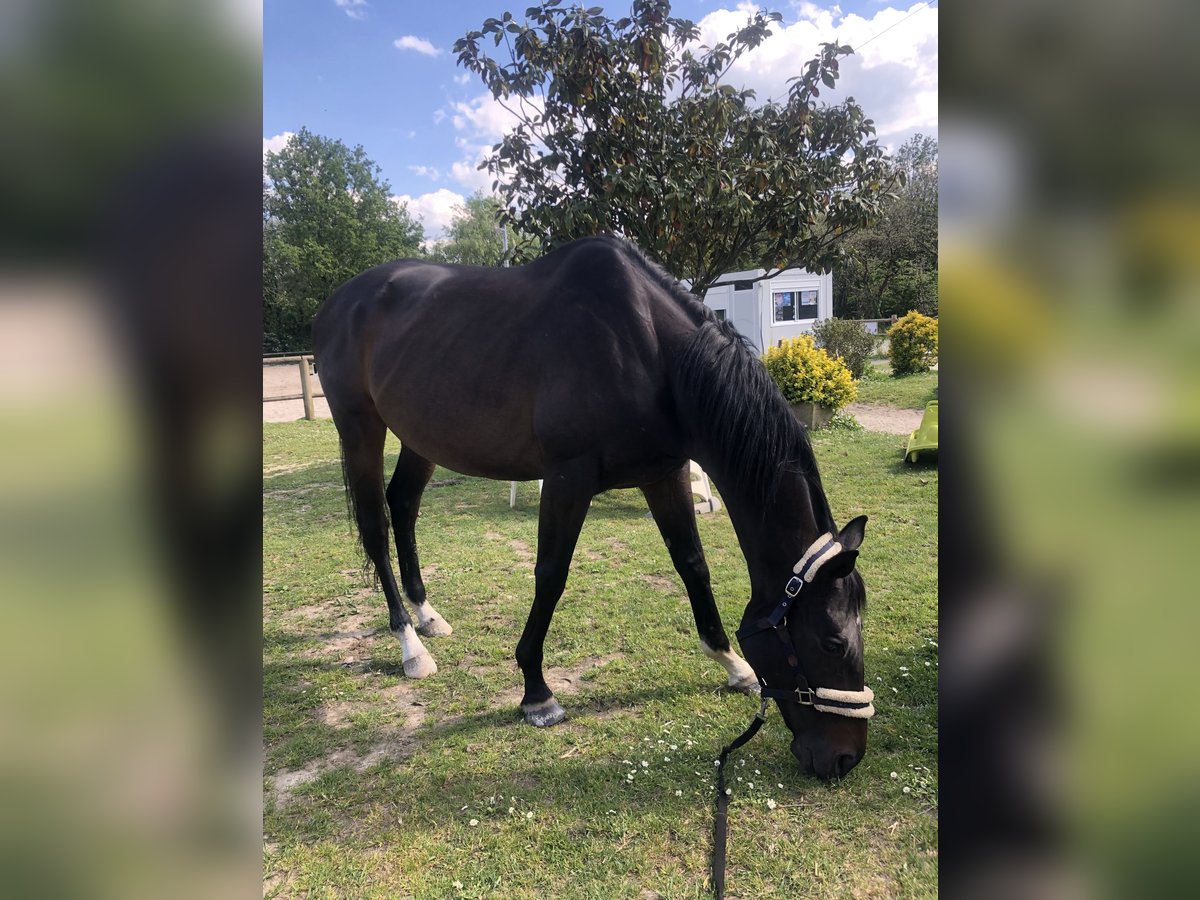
{"x": 382, "y": 74}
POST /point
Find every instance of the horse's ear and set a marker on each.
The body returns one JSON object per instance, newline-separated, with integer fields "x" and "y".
{"x": 841, "y": 565}
{"x": 851, "y": 537}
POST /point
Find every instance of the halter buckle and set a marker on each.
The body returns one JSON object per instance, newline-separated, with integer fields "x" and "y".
{"x": 805, "y": 697}
{"x": 792, "y": 588}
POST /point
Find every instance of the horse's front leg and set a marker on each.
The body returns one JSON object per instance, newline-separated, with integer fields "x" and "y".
{"x": 674, "y": 512}
{"x": 566, "y": 494}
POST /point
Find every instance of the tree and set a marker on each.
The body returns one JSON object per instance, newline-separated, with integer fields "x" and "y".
{"x": 625, "y": 126}
{"x": 327, "y": 215}
{"x": 891, "y": 267}
{"x": 476, "y": 235}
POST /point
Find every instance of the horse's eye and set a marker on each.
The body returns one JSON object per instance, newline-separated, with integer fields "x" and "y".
{"x": 834, "y": 645}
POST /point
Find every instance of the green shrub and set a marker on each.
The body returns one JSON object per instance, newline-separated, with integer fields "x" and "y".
{"x": 806, "y": 374}
{"x": 914, "y": 343}
{"x": 847, "y": 340}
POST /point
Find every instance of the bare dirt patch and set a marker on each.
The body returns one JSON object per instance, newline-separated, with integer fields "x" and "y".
{"x": 519, "y": 547}
{"x": 563, "y": 680}
{"x": 396, "y": 741}
{"x": 885, "y": 419}
{"x": 661, "y": 583}
{"x": 303, "y": 490}
{"x": 352, "y": 642}
{"x": 398, "y": 697}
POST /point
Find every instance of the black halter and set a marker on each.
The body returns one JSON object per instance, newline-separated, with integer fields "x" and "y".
{"x": 756, "y": 641}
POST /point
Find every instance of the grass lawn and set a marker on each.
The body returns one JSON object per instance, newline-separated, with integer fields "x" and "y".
{"x": 906, "y": 392}
{"x": 377, "y": 786}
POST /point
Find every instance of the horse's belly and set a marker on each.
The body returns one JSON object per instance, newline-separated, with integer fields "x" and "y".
{"x": 483, "y": 441}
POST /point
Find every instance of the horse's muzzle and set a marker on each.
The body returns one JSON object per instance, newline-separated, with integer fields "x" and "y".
{"x": 826, "y": 764}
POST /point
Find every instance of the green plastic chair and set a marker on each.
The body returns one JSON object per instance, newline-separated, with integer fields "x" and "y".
{"x": 925, "y": 438}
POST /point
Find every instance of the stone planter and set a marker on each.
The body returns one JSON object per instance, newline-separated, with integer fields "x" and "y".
{"x": 812, "y": 415}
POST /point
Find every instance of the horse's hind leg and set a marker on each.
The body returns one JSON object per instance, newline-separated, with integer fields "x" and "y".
{"x": 404, "y": 499}
{"x": 363, "y": 433}
{"x": 674, "y": 512}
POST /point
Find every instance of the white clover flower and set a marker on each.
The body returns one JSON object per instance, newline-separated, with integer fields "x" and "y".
{"x": 473, "y": 822}
{"x": 675, "y": 747}
{"x": 666, "y": 759}
{"x": 895, "y": 775}
{"x": 645, "y": 765}
{"x": 679, "y": 793}
{"x": 750, "y": 785}
{"x": 458, "y": 885}
{"x": 771, "y": 804}
{"x": 907, "y": 789}
{"x": 529, "y": 815}
{"x": 728, "y": 791}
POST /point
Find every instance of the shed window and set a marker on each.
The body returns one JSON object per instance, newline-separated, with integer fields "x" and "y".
{"x": 794, "y": 306}
{"x": 720, "y": 314}
{"x": 743, "y": 285}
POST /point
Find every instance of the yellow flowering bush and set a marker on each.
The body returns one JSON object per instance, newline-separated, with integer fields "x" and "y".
{"x": 913, "y": 343}
{"x": 807, "y": 374}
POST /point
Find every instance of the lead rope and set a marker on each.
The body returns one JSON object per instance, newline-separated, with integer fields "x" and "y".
{"x": 721, "y": 825}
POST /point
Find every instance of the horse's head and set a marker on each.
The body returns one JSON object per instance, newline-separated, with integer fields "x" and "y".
{"x": 808, "y": 652}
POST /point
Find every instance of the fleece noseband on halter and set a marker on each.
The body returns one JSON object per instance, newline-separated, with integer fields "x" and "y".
{"x": 758, "y": 640}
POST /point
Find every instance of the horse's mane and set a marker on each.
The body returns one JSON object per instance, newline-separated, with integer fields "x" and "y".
{"x": 724, "y": 395}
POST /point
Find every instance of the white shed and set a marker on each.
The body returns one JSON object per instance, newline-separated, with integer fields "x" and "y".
{"x": 770, "y": 310}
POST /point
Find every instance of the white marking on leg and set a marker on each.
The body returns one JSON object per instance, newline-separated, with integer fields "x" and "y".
{"x": 417, "y": 661}
{"x": 430, "y": 622}
{"x": 741, "y": 676}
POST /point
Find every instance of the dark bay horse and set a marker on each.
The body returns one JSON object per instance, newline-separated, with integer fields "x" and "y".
{"x": 593, "y": 369}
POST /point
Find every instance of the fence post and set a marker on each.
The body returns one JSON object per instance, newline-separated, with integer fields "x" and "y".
{"x": 306, "y": 389}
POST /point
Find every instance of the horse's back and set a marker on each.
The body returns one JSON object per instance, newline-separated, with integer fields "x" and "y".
{"x": 491, "y": 371}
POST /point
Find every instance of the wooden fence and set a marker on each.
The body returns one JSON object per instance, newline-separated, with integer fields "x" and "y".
{"x": 305, "y": 362}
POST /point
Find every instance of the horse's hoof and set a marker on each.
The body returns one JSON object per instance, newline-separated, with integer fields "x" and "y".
{"x": 747, "y": 684}
{"x": 435, "y": 626}
{"x": 420, "y": 666}
{"x": 544, "y": 714}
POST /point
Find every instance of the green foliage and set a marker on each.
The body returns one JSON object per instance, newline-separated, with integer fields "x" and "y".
{"x": 913, "y": 344}
{"x": 327, "y": 215}
{"x": 846, "y": 340}
{"x": 476, "y": 236}
{"x": 624, "y": 126}
{"x": 807, "y": 374}
{"x": 892, "y": 266}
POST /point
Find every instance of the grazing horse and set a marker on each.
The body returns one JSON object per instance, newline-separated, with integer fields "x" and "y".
{"x": 593, "y": 369}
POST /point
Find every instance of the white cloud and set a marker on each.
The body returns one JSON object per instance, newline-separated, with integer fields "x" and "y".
{"x": 277, "y": 143}
{"x": 467, "y": 173}
{"x": 435, "y": 210}
{"x": 430, "y": 172}
{"x": 420, "y": 45}
{"x": 463, "y": 78}
{"x": 486, "y": 117}
{"x": 353, "y": 8}
{"x": 894, "y": 76}
{"x": 483, "y": 121}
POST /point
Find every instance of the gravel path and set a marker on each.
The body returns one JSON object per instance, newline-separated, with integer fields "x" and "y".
{"x": 283, "y": 380}
{"x": 887, "y": 419}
